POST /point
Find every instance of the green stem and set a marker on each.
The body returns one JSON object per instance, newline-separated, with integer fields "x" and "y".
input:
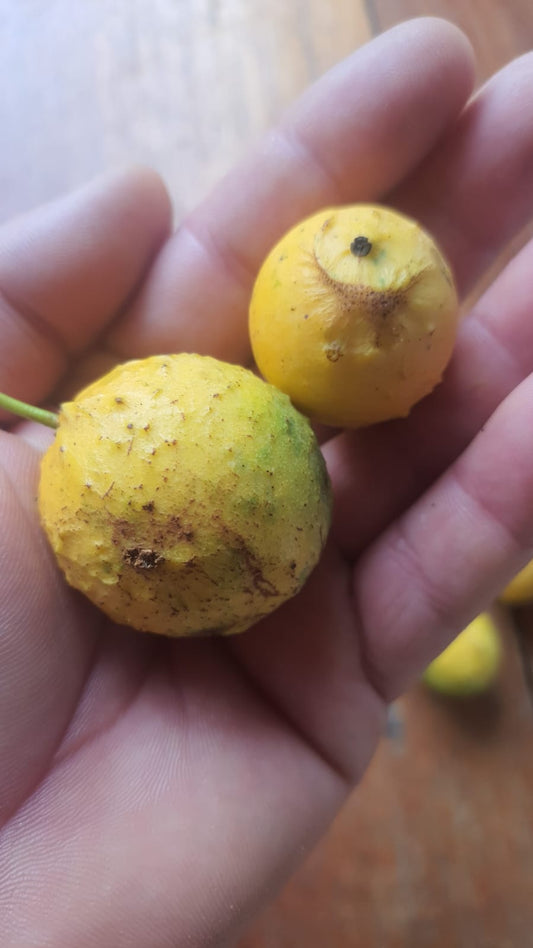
{"x": 48, "y": 418}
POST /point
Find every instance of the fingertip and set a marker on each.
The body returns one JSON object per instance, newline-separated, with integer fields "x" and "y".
{"x": 376, "y": 114}
{"x": 69, "y": 267}
{"x": 136, "y": 191}
{"x": 443, "y": 44}
{"x": 149, "y": 191}
{"x": 134, "y": 187}
{"x": 443, "y": 35}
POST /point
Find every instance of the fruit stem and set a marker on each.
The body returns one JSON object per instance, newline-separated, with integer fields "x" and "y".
{"x": 44, "y": 417}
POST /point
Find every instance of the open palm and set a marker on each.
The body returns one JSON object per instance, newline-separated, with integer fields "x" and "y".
{"x": 155, "y": 793}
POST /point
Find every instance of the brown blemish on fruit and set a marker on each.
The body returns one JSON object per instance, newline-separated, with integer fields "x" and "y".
{"x": 375, "y": 303}
{"x": 109, "y": 489}
{"x": 179, "y": 530}
{"x": 247, "y": 557}
{"x": 142, "y": 559}
{"x": 259, "y": 580}
{"x": 378, "y": 307}
{"x": 333, "y": 351}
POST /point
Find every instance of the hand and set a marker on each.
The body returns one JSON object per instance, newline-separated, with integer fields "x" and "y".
{"x": 156, "y": 793}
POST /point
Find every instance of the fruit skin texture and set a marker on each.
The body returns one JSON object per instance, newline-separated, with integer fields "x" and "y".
{"x": 184, "y": 496}
{"x": 471, "y": 663}
{"x": 520, "y": 590}
{"x": 354, "y": 339}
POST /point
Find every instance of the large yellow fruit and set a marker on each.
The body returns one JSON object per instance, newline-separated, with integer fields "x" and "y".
{"x": 520, "y": 590}
{"x": 470, "y": 664}
{"x": 184, "y": 496}
{"x": 354, "y": 314}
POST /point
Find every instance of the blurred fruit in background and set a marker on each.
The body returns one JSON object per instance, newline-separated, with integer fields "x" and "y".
{"x": 520, "y": 590}
{"x": 471, "y": 663}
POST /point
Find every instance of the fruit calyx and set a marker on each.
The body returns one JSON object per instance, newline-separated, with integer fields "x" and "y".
{"x": 360, "y": 246}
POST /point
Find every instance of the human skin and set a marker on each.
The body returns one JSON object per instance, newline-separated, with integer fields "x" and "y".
{"x": 157, "y": 793}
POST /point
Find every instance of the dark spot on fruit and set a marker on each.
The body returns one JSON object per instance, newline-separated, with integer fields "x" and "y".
{"x": 149, "y": 507}
{"x": 180, "y": 530}
{"x": 333, "y": 352}
{"x": 109, "y": 489}
{"x": 142, "y": 559}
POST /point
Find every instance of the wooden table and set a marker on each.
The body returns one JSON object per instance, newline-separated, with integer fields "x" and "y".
{"x": 435, "y": 849}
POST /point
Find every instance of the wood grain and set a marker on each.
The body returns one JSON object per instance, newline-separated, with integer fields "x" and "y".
{"x": 435, "y": 848}
{"x": 184, "y": 87}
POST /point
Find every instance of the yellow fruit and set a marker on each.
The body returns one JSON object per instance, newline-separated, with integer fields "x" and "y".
{"x": 354, "y": 315}
{"x": 184, "y": 496}
{"x": 471, "y": 663}
{"x": 520, "y": 590}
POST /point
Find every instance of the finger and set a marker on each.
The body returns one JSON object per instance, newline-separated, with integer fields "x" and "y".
{"x": 67, "y": 268}
{"x": 42, "y": 663}
{"x": 441, "y": 563}
{"x": 475, "y": 190}
{"x": 352, "y": 136}
{"x": 390, "y": 465}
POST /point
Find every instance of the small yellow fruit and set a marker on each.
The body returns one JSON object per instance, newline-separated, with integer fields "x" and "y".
{"x": 354, "y": 315}
{"x": 184, "y": 496}
{"x": 471, "y": 663}
{"x": 520, "y": 590}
